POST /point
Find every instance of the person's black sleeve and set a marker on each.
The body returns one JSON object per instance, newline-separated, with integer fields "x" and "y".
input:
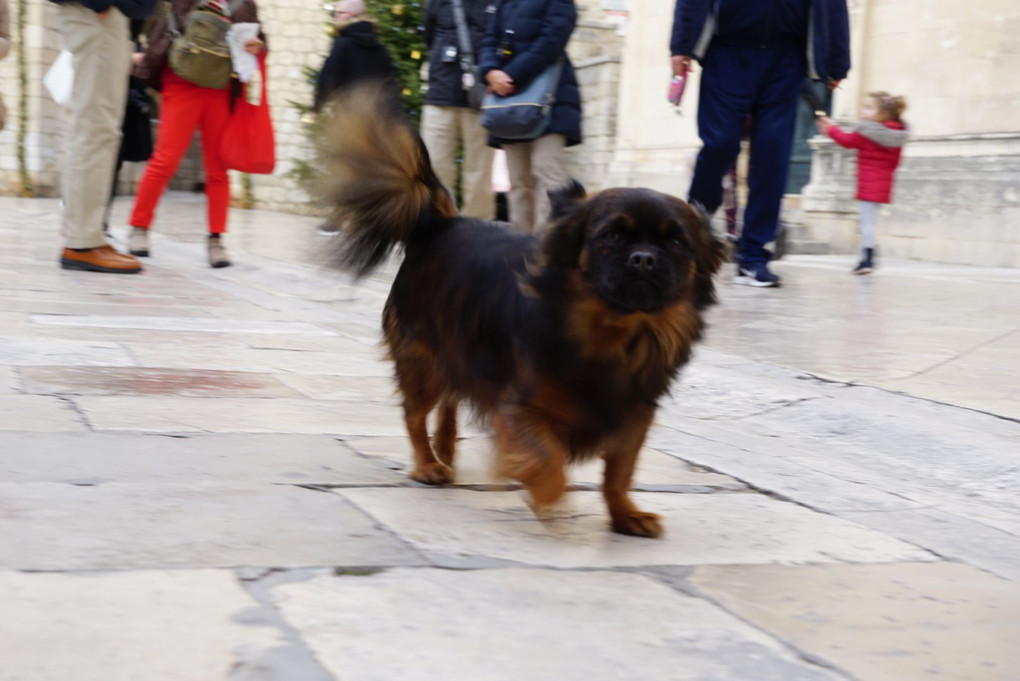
{"x": 332, "y": 75}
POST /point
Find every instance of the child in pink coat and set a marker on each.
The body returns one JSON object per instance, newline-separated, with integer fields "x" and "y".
{"x": 879, "y": 139}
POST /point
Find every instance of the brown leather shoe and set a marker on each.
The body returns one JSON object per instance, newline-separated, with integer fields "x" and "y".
{"x": 102, "y": 259}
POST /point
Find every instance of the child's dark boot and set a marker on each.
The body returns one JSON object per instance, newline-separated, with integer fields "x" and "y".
{"x": 867, "y": 263}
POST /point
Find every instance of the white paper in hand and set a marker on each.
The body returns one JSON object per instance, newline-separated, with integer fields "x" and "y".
{"x": 59, "y": 80}
{"x": 245, "y": 65}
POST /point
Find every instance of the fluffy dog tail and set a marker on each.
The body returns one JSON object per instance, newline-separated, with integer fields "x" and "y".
{"x": 377, "y": 179}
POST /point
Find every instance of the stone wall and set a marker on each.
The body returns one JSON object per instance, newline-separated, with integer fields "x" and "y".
{"x": 654, "y": 146}
{"x": 298, "y": 39}
{"x": 595, "y": 50}
{"x": 956, "y": 199}
{"x": 45, "y": 120}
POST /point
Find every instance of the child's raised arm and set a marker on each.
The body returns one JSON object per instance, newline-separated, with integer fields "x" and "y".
{"x": 850, "y": 140}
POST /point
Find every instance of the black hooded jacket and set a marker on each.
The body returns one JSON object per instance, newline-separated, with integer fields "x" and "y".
{"x": 445, "y": 76}
{"x": 357, "y": 54}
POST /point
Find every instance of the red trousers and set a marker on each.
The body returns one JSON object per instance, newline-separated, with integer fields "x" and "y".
{"x": 186, "y": 107}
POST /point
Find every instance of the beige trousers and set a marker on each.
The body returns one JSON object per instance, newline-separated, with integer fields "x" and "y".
{"x": 442, "y": 127}
{"x": 102, "y": 62}
{"x": 535, "y": 168}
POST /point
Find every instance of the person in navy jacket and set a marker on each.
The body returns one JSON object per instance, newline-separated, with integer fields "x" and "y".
{"x": 523, "y": 38}
{"x": 97, "y": 34}
{"x": 754, "y": 55}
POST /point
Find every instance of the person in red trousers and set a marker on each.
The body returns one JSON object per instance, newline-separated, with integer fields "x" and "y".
{"x": 879, "y": 139}
{"x": 185, "y": 108}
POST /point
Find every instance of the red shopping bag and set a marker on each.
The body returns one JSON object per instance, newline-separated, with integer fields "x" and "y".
{"x": 248, "y": 144}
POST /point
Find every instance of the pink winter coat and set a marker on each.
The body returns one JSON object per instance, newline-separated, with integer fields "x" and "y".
{"x": 880, "y": 145}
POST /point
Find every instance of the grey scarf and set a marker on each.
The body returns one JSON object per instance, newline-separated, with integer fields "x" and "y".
{"x": 880, "y": 134}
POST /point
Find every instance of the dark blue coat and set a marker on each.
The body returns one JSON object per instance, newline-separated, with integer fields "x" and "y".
{"x": 132, "y": 9}
{"x": 749, "y": 23}
{"x": 541, "y": 29}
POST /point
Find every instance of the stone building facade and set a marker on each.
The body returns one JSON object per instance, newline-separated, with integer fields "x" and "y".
{"x": 957, "y": 195}
{"x": 958, "y": 189}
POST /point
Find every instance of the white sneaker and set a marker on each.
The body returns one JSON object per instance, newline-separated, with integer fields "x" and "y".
{"x": 756, "y": 276}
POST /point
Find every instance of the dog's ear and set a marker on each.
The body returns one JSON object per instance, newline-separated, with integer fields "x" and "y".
{"x": 565, "y": 199}
{"x": 568, "y": 225}
{"x": 709, "y": 254}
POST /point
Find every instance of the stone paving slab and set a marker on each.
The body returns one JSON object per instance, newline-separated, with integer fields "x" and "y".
{"x": 476, "y": 460}
{"x": 50, "y": 526}
{"x": 704, "y": 391}
{"x": 951, "y": 536}
{"x": 451, "y": 525}
{"x": 37, "y": 413}
{"x": 127, "y": 626}
{"x": 508, "y": 625}
{"x": 83, "y": 312}
{"x": 335, "y": 343}
{"x": 908, "y": 621}
{"x": 363, "y": 388}
{"x": 156, "y": 414}
{"x": 931, "y": 474}
{"x": 16, "y": 351}
{"x": 25, "y": 330}
{"x": 90, "y": 458}
{"x": 146, "y": 381}
{"x": 9, "y": 382}
{"x": 139, "y": 304}
{"x": 264, "y": 361}
{"x": 163, "y": 323}
{"x": 965, "y": 379}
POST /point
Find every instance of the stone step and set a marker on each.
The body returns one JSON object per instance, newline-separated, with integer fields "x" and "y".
{"x": 808, "y": 247}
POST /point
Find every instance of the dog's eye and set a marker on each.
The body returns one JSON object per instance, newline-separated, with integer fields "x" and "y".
{"x": 612, "y": 236}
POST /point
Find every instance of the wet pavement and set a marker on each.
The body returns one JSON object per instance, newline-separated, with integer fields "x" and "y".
{"x": 203, "y": 476}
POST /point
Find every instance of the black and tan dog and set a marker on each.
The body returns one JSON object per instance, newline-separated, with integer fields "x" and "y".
{"x": 563, "y": 346}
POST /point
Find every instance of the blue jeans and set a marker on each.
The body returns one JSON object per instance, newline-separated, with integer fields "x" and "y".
{"x": 765, "y": 83}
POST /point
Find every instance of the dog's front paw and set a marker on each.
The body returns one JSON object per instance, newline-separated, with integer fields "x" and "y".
{"x": 433, "y": 474}
{"x": 638, "y": 524}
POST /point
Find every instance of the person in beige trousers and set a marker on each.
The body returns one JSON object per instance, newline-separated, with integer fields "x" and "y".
{"x": 524, "y": 38}
{"x": 98, "y": 35}
{"x": 447, "y": 120}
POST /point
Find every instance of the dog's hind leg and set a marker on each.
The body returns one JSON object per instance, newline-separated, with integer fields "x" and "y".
{"x": 445, "y": 443}
{"x": 621, "y": 457}
{"x": 421, "y": 389}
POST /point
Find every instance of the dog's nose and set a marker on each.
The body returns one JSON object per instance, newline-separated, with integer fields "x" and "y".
{"x": 642, "y": 261}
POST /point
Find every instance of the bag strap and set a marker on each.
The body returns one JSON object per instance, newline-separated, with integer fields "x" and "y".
{"x": 231, "y": 7}
{"x": 467, "y": 53}
{"x": 171, "y": 20}
{"x": 264, "y": 70}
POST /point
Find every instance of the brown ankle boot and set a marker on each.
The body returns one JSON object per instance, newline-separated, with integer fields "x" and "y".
{"x": 217, "y": 254}
{"x": 138, "y": 242}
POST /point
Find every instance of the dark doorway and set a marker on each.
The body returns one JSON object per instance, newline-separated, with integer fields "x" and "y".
{"x": 800, "y": 158}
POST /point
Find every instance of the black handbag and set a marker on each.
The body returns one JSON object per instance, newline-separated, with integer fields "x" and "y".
{"x": 524, "y": 115}
{"x": 474, "y": 88}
